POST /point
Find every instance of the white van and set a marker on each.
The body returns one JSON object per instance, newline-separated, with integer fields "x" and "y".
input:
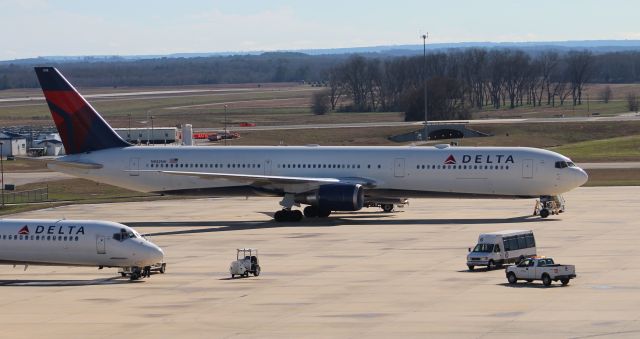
{"x": 498, "y": 248}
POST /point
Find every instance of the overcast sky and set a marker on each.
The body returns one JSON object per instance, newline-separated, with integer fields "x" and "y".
{"x": 31, "y": 28}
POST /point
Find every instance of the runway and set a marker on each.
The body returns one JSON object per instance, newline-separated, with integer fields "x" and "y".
{"x": 432, "y": 124}
{"x": 364, "y": 274}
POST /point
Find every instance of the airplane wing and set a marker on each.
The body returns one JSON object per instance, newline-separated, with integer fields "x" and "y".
{"x": 263, "y": 180}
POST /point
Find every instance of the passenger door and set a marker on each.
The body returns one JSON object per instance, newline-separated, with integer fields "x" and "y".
{"x": 134, "y": 165}
{"x": 527, "y": 168}
{"x": 267, "y": 167}
{"x": 399, "y": 167}
{"x": 101, "y": 245}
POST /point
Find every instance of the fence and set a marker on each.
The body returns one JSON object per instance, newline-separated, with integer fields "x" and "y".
{"x": 34, "y": 195}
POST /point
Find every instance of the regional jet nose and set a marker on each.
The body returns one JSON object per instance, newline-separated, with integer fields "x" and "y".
{"x": 153, "y": 254}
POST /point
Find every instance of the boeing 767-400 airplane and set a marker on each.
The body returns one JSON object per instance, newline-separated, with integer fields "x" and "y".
{"x": 324, "y": 178}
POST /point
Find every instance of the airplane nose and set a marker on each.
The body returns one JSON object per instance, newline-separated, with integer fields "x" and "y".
{"x": 153, "y": 254}
{"x": 580, "y": 176}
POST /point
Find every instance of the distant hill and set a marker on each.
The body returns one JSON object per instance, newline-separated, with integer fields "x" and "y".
{"x": 596, "y": 46}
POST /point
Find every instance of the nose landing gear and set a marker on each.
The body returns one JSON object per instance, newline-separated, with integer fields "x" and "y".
{"x": 136, "y": 273}
{"x": 549, "y": 205}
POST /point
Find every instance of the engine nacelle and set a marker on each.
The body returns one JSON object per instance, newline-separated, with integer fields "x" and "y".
{"x": 335, "y": 197}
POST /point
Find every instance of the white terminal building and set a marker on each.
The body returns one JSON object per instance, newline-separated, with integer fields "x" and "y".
{"x": 156, "y": 135}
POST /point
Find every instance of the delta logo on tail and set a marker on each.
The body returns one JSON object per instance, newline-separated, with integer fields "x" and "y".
{"x": 80, "y": 126}
{"x": 450, "y": 160}
{"x": 24, "y": 230}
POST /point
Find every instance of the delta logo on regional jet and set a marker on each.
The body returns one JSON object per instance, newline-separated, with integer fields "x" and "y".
{"x": 481, "y": 159}
{"x": 53, "y": 230}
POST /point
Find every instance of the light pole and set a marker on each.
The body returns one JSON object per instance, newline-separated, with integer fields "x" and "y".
{"x": 424, "y": 78}
{"x": 129, "y": 127}
{"x": 2, "y": 171}
{"x": 225, "y": 125}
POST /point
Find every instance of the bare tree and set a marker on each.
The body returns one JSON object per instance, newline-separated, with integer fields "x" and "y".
{"x": 548, "y": 62}
{"x": 320, "y": 102}
{"x": 632, "y": 102}
{"x": 579, "y": 70}
{"x": 606, "y": 94}
{"x": 336, "y": 87}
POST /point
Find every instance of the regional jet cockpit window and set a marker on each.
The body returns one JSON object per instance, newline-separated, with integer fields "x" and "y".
{"x": 123, "y": 235}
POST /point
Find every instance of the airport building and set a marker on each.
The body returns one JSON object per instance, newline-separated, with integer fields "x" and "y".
{"x": 157, "y": 135}
{"x": 13, "y": 144}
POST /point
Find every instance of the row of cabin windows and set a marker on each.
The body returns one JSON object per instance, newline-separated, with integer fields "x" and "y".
{"x": 490, "y": 167}
{"x": 39, "y": 237}
{"x": 350, "y": 166}
{"x": 202, "y": 165}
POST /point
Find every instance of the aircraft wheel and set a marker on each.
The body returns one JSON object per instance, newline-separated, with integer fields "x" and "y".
{"x": 311, "y": 211}
{"x": 544, "y": 213}
{"x": 280, "y": 215}
{"x": 295, "y": 215}
{"x": 323, "y": 213}
{"x": 163, "y": 268}
{"x": 388, "y": 208}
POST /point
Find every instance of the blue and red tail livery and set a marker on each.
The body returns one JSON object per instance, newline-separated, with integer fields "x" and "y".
{"x": 81, "y": 127}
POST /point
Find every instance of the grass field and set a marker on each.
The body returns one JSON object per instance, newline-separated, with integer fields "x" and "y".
{"x": 73, "y": 191}
{"x": 613, "y": 177}
{"x": 268, "y": 104}
{"x": 625, "y": 148}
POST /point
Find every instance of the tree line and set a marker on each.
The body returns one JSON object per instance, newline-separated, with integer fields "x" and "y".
{"x": 460, "y": 81}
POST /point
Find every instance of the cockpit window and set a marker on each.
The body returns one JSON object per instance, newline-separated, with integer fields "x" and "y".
{"x": 570, "y": 164}
{"x": 562, "y": 164}
{"x": 124, "y": 235}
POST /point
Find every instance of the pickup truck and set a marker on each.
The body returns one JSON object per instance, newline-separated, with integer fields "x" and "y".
{"x": 540, "y": 269}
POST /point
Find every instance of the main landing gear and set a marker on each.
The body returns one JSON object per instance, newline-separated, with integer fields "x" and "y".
{"x": 291, "y": 215}
{"x": 287, "y": 215}
{"x": 296, "y": 215}
{"x": 549, "y": 205}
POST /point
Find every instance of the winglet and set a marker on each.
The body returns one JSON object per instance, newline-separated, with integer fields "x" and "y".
{"x": 81, "y": 127}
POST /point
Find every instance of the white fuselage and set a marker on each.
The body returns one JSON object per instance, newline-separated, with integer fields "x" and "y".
{"x": 394, "y": 171}
{"x": 74, "y": 243}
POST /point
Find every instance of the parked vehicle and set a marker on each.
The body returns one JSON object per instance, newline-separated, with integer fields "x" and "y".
{"x": 499, "y": 248}
{"x": 544, "y": 269}
{"x": 246, "y": 262}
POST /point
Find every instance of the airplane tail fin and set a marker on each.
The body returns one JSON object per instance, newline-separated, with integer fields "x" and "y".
{"x": 81, "y": 127}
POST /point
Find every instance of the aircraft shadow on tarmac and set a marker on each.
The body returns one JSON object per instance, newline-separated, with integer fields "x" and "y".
{"x": 226, "y": 226}
{"x": 53, "y": 283}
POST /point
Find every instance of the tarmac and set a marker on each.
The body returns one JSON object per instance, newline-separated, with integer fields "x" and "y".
{"x": 363, "y": 274}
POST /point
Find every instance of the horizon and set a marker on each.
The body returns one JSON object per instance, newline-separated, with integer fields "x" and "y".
{"x": 567, "y": 44}
{"x": 120, "y": 28}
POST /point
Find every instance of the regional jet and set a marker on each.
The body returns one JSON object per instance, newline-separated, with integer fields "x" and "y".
{"x": 326, "y": 179}
{"x": 78, "y": 243}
